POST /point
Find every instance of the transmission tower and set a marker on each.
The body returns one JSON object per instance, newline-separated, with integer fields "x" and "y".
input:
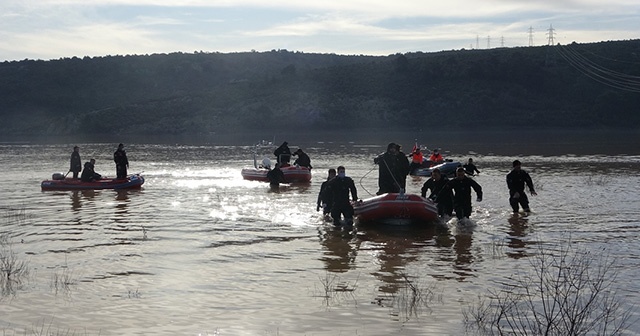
{"x": 501, "y": 41}
{"x": 477, "y": 42}
{"x": 488, "y": 42}
{"x": 550, "y": 34}
{"x": 530, "y": 36}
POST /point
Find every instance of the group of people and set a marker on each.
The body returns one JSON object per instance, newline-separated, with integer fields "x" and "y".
{"x": 88, "y": 171}
{"x": 334, "y": 196}
{"x": 283, "y": 157}
{"x": 449, "y": 194}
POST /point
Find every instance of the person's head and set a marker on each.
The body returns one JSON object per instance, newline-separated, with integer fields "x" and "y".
{"x": 299, "y": 151}
{"x": 460, "y": 173}
{"x": 517, "y": 164}
{"x": 436, "y": 174}
{"x": 120, "y": 146}
{"x": 398, "y": 147}
{"x": 417, "y": 150}
{"x": 332, "y": 173}
{"x": 341, "y": 171}
{"x": 76, "y": 148}
{"x": 276, "y": 166}
{"x": 436, "y": 151}
{"x": 285, "y": 143}
{"x": 470, "y": 160}
{"x": 93, "y": 161}
{"x": 392, "y": 148}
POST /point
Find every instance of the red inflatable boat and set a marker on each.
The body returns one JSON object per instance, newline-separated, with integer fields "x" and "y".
{"x": 59, "y": 182}
{"x": 396, "y": 209}
{"x": 292, "y": 174}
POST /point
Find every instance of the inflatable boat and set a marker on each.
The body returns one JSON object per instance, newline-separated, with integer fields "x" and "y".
{"x": 59, "y": 182}
{"x": 396, "y": 209}
{"x": 292, "y": 174}
{"x": 446, "y": 168}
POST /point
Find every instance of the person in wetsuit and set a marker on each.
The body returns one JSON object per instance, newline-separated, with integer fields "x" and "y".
{"x": 88, "y": 173}
{"x": 283, "y": 153}
{"x": 324, "y": 198}
{"x": 75, "y": 163}
{"x": 461, "y": 186}
{"x": 275, "y": 176}
{"x": 303, "y": 159}
{"x": 516, "y": 180}
{"x": 440, "y": 192}
{"x": 393, "y": 170}
{"x": 122, "y": 163}
{"x": 470, "y": 169}
{"x": 339, "y": 188}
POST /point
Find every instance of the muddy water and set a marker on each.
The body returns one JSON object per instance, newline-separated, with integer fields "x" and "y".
{"x": 200, "y": 251}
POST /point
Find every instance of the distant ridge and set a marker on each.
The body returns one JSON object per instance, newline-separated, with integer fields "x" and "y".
{"x": 577, "y": 86}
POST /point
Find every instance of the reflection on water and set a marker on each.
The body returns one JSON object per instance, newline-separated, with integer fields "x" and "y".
{"x": 200, "y": 249}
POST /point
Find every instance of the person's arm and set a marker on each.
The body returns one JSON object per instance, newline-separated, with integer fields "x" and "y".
{"x": 354, "y": 191}
{"x": 530, "y": 184}
{"x": 478, "y": 189}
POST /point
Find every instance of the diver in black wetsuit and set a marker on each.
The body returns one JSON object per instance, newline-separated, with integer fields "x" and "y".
{"x": 440, "y": 193}
{"x": 393, "y": 170}
{"x": 461, "y": 186}
{"x": 339, "y": 188}
{"x": 516, "y": 180}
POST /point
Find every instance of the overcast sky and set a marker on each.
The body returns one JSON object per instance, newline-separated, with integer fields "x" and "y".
{"x": 51, "y": 29}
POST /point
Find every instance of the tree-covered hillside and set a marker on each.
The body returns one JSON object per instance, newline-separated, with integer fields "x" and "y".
{"x": 577, "y": 86}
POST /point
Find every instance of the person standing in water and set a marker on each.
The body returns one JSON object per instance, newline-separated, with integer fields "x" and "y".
{"x": 516, "y": 180}
{"x": 339, "y": 188}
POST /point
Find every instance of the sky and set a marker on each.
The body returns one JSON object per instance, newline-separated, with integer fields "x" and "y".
{"x": 53, "y": 29}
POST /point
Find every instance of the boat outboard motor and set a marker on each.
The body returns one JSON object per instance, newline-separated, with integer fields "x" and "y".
{"x": 57, "y": 176}
{"x": 266, "y": 163}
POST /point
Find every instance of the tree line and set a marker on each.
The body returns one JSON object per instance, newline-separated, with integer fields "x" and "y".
{"x": 191, "y": 93}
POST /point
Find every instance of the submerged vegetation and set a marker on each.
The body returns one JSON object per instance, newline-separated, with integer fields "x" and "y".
{"x": 203, "y": 93}
{"x": 568, "y": 293}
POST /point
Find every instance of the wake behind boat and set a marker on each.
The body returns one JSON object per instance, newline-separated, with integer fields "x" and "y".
{"x": 59, "y": 182}
{"x": 396, "y": 209}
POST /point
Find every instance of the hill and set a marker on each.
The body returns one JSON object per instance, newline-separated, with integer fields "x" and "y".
{"x": 575, "y": 86}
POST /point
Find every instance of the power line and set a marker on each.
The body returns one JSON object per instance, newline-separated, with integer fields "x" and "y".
{"x": 600, "y": 74}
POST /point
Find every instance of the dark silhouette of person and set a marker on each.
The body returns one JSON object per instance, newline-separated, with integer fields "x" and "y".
{"x": 275, "y": 176}
{"x": 303, "y": 159}
{"x": 122, "y": 163}
{"x": 516, "y": 180}
{"x": 393, "y": 170}
{"x": 76, "y": 163}
{"x": 88, "y": 173}
{"x": 283, "y": 153}
{"x": 339, "y": 188}
{"x": 324, "y": 198}
{"x": 440, "y": 193}
{"x": 470, "y": 168}
{"x": 461, "y": 186}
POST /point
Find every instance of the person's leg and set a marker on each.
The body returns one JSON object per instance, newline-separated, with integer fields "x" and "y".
{"x": 514, "y": 204}
{"x": 75, "y": 174}
{"x": 524, "y": 202}
{"x": 348, "y": 215}
{"x": 335, "y": 214}
{"x": 467, "y": 210}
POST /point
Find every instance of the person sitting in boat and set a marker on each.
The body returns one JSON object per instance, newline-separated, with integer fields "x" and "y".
{"x": 436, "y": 157}
{"x": 461, "y": 186}
{"x": 470, "y": 169}
{"x": 283, "y": 153}
{"x": 393, "y": 170}
{"x": 303, "y": 159}
{"x": 324, "y": 198}
{"x": 76, "y": 162}
{"x": 338, "y": 189}
{"x": 88, "y": 173}
{"x": 440, "y": 193}
{"x": 416, "y": 160}
{"x": 275, "y": 176}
